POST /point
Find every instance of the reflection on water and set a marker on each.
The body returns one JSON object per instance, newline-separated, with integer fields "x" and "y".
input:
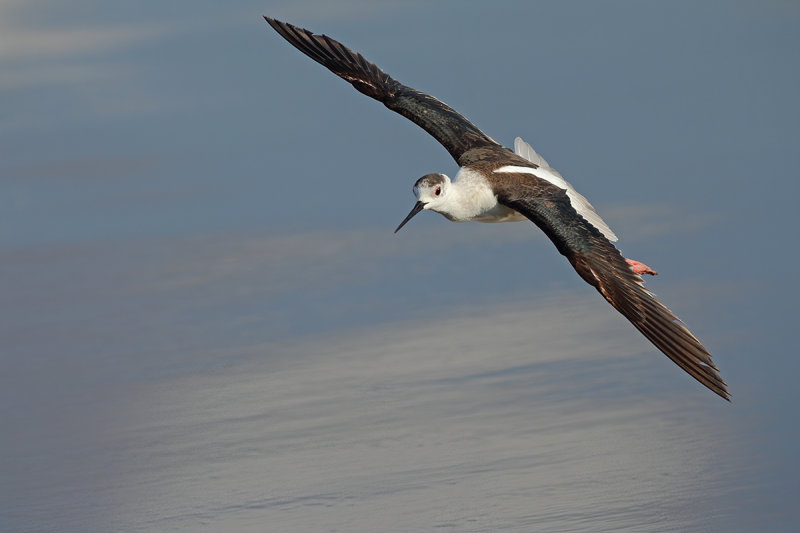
{"x": 545, "y": 417}
{"x": 420, "y": 430}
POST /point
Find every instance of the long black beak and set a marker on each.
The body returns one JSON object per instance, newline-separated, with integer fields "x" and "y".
{"x": 419, "y": 206}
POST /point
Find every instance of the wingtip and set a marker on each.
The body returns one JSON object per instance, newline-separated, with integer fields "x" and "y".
{"x": 275, "y": 23}
{"x": 726, "y": 395}
{"x": 717, "y": 385}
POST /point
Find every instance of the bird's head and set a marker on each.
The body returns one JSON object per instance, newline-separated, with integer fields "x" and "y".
{"x": 431, "y": 192}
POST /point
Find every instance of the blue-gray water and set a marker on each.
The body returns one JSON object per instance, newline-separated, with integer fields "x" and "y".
{"x": 207, "y": 324}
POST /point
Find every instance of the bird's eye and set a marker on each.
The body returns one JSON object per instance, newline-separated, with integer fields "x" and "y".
{"x": 438, "y": 191}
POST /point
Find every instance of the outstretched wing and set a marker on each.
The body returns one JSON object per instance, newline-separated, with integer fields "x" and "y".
{"x": 601, "y": 265}
{"x": 457, "y": 134}
{"x": 578, "y": 201}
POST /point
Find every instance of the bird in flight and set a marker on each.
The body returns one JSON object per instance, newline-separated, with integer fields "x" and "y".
{"x": 494, "y": 184}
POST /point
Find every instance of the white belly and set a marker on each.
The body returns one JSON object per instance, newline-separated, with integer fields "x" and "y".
{"x": 472, "y": 200}
{"x": 500, "y": 213}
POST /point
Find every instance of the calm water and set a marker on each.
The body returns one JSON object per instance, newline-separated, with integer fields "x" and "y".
{"x": 145, "y": 392}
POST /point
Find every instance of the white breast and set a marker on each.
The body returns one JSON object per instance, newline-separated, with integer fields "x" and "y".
{"x": 471, "y": 199}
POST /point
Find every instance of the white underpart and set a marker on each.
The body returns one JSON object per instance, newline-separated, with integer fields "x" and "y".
{"x": 469, "y": 198}
{"x": 545, "y": 172}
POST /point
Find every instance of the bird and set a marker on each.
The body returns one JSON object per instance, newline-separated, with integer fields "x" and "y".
{"x": 496, "y": 184}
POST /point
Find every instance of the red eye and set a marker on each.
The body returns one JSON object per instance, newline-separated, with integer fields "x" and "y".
{"x": 438, "y": 191}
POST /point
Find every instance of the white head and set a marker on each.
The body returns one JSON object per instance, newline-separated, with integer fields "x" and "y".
{"x": 431, "y": 192}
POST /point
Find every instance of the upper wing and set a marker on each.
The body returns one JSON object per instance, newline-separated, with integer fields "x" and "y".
{"x": 600, "y": 264}
{"x": 578, "y": 201}
{"x": 457, "y": 134}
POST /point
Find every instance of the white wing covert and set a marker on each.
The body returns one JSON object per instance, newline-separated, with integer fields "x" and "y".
{"x": 576, "y": 199}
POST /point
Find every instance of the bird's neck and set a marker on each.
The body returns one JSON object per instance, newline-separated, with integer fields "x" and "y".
{"x": 469, "y": 197}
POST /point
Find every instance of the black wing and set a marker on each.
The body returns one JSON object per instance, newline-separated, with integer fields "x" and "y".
{"x": 457, "y": 134}
{"x": 601, "y": 265}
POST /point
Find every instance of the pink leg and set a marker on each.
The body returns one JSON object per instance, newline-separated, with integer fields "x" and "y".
{"x": 641, "y": 268}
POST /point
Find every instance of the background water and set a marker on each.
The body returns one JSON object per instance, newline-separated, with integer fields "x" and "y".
{"x": 207, "y": 324}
